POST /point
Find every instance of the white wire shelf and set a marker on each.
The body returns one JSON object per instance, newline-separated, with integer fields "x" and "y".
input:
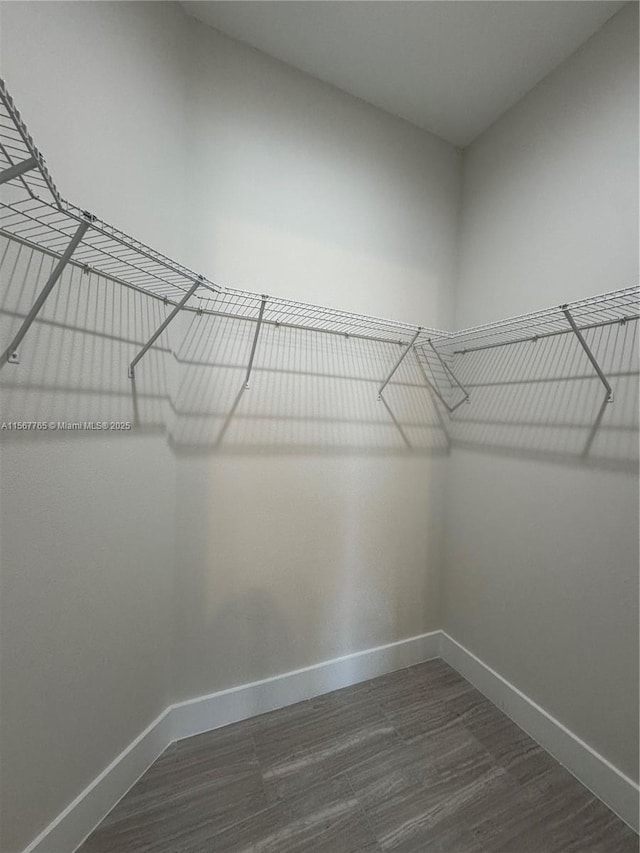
{"x": 614, "y": 307}
{"x": 439, "y": 376}
{"x": 103, "y": 248}
{"x": 33, "y": 212}
{"x": 244, "y": 305}
{"x": 17, "y": 147}
{"x": 471, "y": 352}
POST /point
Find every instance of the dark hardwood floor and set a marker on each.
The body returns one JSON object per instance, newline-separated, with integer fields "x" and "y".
{"x": 413, "y": 762}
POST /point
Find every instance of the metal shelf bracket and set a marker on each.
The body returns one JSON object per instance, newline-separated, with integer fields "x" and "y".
{"x": 11, "y": 353}
{"x": 401, "y": 358}
{"x": 162, "y": 327}
{"x": 447, "y": 369}
{"x": 34, "y": 214}
{"x": 255, "y": 341}
{"x": 590, "y": 355}
{"x": 434, "y": 388}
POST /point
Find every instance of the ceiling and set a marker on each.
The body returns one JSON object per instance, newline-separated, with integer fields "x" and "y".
{"x": 451, "y": 67}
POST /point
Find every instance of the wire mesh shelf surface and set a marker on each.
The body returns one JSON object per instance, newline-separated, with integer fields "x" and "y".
{"x": 613, "y": 307}
{"x": 17, "y": 147}
{"x": 103, "y": 249}
{"x": 244, "y": 305}
{"x": 32, "y": 212}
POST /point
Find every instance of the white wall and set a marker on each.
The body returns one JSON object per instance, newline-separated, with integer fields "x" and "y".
{"x": 550, "y": 190}
{"x": 293, "y": 539}
{"x": 285, "y": 562}
{"x": 102, "y": 91}
{"x": 304, "y": 192}
{"x": 541, "y": 577}
{"x": 202, "y": 536}
{"x": 87, "y": 521}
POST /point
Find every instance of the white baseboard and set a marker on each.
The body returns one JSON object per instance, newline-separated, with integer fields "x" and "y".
{"x": 77, "y": 821}
{"x": 70, "y": 828}
{"x": 609, "y": 784}
{"x": 239, "y": 703}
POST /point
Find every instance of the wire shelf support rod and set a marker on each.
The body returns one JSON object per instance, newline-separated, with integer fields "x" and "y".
{"x": 401, "y": 358}
{"x": 448, "y": 370}
{"x": 590, "y": 355}
{"x": 255, "y": 342}
{"x": 11, "y": 354}
{"x": 161, "y": 328}
{"x": 433, "y": 386}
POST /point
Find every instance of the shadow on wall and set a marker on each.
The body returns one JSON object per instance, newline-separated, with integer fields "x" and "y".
{"x": 542, "y": 398}
{"x": 309, "y": 392}
{"x": 74, "y": 356}
{"x": 252, "y": 624}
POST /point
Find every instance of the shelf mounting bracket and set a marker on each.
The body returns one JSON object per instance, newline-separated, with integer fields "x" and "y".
{"x": 590, "y": 355}
{"x": 18, "y": 169}
{"x": 401, "y": 358}
{"x": 163, "y": 326}
{"x": 433, "y": 387}
{"x": 452, "y": 375}
{"x": 255, "y": 341}
{"x": 11, "y": 353}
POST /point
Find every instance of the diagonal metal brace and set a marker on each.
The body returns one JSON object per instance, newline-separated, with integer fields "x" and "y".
{"x": 433, "y": 387}
{"x": 450, "y": 372}
{"x": 401, "y": 358}
{"x": 255, "y": 341}
{"x": 162, "y": 327}
{"x": 18, "y": 169}
{"x": 11, "y": 352}
{"x": 590, "y": 355}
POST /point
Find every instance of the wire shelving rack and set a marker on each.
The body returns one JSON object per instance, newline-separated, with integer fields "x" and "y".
{"x": 574, "y": 318}
{"x": 33, "y": 212}
{"x": 618, "y": 306}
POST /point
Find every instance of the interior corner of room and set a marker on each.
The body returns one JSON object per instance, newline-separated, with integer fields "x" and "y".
{"x": 328, "y": 368}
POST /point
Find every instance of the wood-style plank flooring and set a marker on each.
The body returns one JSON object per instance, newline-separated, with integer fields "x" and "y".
{"x": 413, "y": 762}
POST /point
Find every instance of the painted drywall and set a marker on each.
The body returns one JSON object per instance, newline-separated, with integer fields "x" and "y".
{"x": 86, "y": 586}
{"x": 87, "y": 519}
{"x": 550, "y": 208}
{"x": 257, "y": 537}
{"x": 288, "y": 561}
{"x": 541, "y": 575}
{"x": 313, "y": 531}
{"x": 304, "y": 192}
{"x": 102, "y": 91}
{"x": 308, "y": 521}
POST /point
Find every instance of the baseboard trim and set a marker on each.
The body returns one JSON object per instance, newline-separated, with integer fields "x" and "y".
{"x": 72, "y": 826}
{"x": 609, "y": 784}
{"x": 238, "y": 703}
{"x": 184, "y": 719}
